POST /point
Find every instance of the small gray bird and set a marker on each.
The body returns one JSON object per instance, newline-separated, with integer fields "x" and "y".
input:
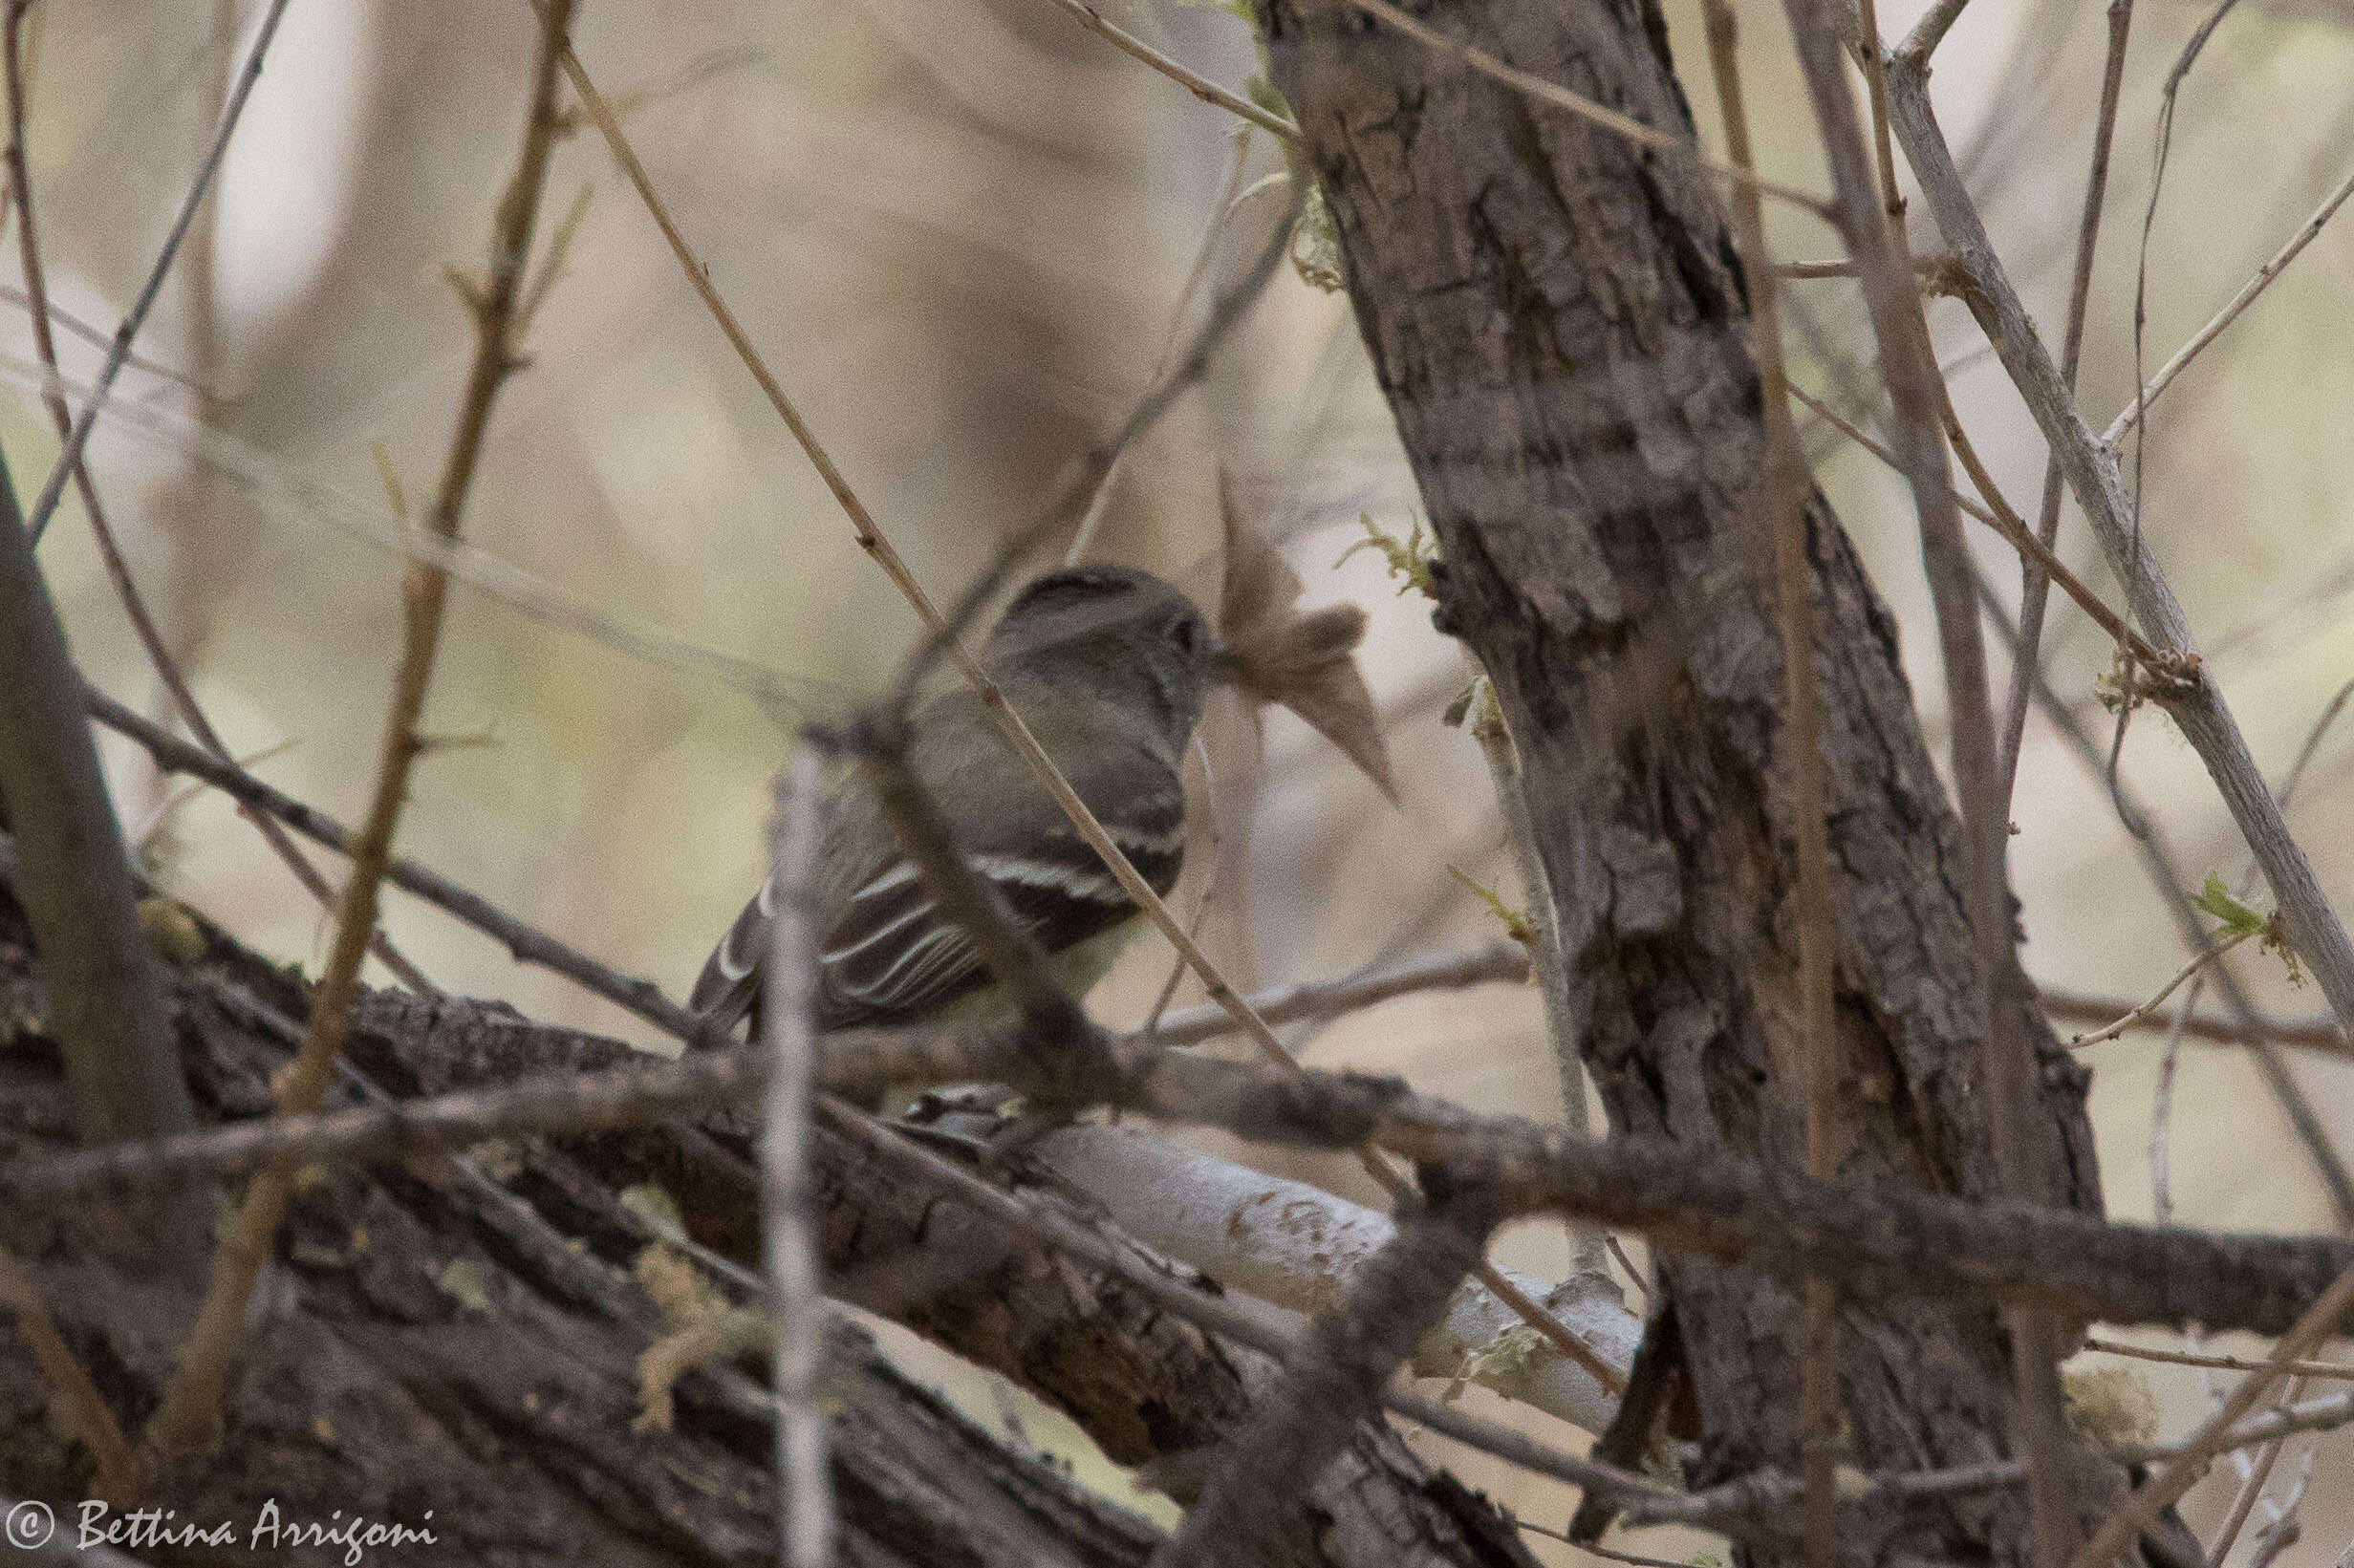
{"x": 1108, "y": 668}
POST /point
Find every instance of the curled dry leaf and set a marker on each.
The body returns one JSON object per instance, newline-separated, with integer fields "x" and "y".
{"x": 1304, "y": 659}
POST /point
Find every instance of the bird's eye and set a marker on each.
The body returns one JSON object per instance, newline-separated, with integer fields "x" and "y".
{"x": 1186, "y": 633}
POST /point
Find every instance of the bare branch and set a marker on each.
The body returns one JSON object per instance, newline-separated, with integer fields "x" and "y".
{"x": 1999, "y": 517}
{"x": 71, "y": 455}
{"x": 92, "y": 1420}
{"x": 1783, "y": 488}
{"x": 1334, "y": 1380}
{"x": 2035, "y": 583}
{"x": 1198, "y": 85}
{"x": 2116, "y": 1535}
{"x": 788, "y": 1231}
{"x": 1774, "y": 1220}
{"x": 110, "y": 551}
{"x": 1293, "y": 1244}
{"x": 1443, "y": 970}
{"x": 105, "y": 999}
{"x": 2194, "y": 702}
{"x": 2257, "y": 285}
{"x": 191, "y": 1404}
{"x": 2081, "y": 1007}
{"x": 2143, "y": 1010}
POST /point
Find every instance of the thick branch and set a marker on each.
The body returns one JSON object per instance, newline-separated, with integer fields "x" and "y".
{"x": 1907, "y": 1243}
{"x": 75, "y": 876}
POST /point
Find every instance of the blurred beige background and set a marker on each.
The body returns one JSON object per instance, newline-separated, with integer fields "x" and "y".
{"x": 958, "y": 229}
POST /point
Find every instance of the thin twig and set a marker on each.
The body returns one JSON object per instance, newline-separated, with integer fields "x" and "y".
{"x": 2035, "y": 583}
{"x": 2221, "y": 1364}
{"x": 2082, "y": 1007}
{"x": 1927, "y": 266}
{"x": 2317, "y": 1415}
{"x": 1487, "y": 726}
{"x": 1734, "y": 1504}
{"x": 114, "y": 1474}
{"x": 1221, "y": 211}
{"x": 787, "y": 1228}
{"x": 2330, "y": 711}
{"x": 2014, "y": 531}
{"x": 525, "y": 942}
{"x": 52, "y": 489}
{"x": 1446, "y": 970}
{"x": 2164, "y": 869}
{"x": 2230, "y": 313}
{"x": 110, "y": 551}
{"x": 2136, "y": 1015}
{"x": 97, "y": 337}
{"x": 1194, "y": 83}
{"x": 1334, "y": 1380}
{"x": 1782, "y": 494}
{"x": 2117, "y": 1534}
{"x": 868, "y": 532}
{"x": 1583, "y": 108}
{"x": 2161, "y": 1114}
{"x": 190, "y": 1410}
{"x": 1917, "y": 394}
{"x": 2193, "y": 701}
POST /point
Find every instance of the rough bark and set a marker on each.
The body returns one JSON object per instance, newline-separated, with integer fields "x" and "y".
{"x": 1558, "y": 320}
{"x": 501, "y": 1395}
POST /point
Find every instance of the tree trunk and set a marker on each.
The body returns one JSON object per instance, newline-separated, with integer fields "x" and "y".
{"x": 1557, "y": 319}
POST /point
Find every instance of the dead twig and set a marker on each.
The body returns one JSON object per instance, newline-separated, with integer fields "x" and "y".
{"x": 2221, "y": 1363}
{"x": 1194, "y": 83}
{"x": 2015, "y": 533}
{"x": 113, "y": 1475}
{"x": 1875, "y": 237}
{"x": 190, "y": 1410}
{"x": 2118, "y": 1533}
{"x": 1872, "y": 1238}
{"x": 787, "y": 1228}
{"x": 52, "y": 489}
{"x": 110, "y": 551}
{"x": 1334, "y": 1380}
{"x": 1783, "y": 489}
{"x": 2091, "y": 469}
{"x": 2230, "y": 313}
{"x": 2118, "y": 1026}
{"x": 2035, "y": 583}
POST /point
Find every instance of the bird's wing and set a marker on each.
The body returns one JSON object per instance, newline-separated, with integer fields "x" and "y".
{"x": 888, "y": 955}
